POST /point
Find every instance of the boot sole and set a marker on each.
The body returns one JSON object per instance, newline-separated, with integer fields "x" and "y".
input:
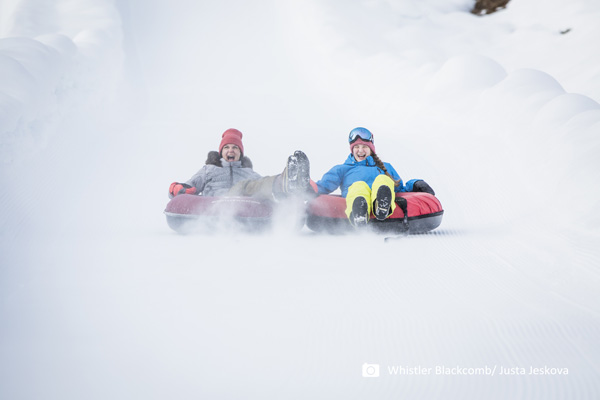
{"x": 382, "y": 203}
{"x": 297, "y": 177}
{"x": 359, "y": 216}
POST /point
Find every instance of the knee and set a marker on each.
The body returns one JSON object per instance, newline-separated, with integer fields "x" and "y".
{"x": 359, "y": 188}
{"x": 383, "y": 180}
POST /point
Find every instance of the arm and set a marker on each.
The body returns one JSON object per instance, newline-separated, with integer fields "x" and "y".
{"x": 200, "y": 178}
{"x": 420, "y": 185}
{"x": 396, "y": 176}
{"x": 330, "y": 181}
{"x": 194, "y": 185}
{"x": 413, "y": 185}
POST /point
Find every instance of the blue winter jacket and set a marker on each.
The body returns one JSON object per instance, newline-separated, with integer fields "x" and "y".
{"x": 351, "y": 171}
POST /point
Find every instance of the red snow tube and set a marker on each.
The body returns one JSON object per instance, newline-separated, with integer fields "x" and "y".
{"x": 187, "y": 212}
{"x": 327, "y": 213}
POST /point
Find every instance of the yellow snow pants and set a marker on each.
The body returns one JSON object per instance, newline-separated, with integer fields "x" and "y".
{"x": 360, "y": 188}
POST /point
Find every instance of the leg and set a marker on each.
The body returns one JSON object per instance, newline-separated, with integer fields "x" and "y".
{"x": 358, "y": 193}
{"x": 260, "y": 188}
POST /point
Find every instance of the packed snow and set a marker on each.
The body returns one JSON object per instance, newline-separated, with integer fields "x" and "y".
{"x": 104, "y": 103}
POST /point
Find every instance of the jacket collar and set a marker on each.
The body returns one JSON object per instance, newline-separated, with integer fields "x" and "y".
{"x": 233, "y": 164}
{"x": 366, "y": 162}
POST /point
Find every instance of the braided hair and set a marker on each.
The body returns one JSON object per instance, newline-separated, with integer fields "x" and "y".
{"x": 381, "y": 166}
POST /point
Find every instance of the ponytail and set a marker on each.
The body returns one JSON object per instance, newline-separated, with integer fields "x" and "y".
{"x": 381, "y": 166}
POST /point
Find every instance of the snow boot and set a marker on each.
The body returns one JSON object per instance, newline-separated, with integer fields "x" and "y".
{"x": 359, "y": 217}
{"x": 383, "y": 202}
{"x": 296, "y": 176}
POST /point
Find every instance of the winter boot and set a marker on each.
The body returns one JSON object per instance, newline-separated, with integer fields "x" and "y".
{"x": 359, "y": 217}
{"x": 383, "y": 202}
{"x": 296, "y": 176}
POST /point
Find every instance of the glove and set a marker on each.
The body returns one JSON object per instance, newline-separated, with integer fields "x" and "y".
{"x": 422, "y": 186}
{"x": 180, "y": 188}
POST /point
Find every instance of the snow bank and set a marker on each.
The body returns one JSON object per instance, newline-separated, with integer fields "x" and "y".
{"x": 52, "y": 69}
{"x": 509, "y": 146}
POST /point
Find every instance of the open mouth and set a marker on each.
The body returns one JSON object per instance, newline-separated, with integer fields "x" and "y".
{"x": 230, "y": 158}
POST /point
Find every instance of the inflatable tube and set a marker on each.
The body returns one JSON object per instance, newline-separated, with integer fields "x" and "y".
{"x": 326, "y": 213}
{"x": 187, "y": 213}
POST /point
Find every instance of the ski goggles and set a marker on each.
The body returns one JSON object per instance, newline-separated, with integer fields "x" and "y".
{"x": 360, "y": 133}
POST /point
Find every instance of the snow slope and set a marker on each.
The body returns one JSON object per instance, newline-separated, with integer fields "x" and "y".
{"x": 104, "y": 103}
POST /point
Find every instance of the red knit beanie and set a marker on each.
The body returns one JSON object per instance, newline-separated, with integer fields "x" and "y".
{"x": 232, "y": 136}
{"x": 360, "y": 141}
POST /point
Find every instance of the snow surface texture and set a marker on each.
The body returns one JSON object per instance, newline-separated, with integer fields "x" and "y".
{"x": 103, "y": 104}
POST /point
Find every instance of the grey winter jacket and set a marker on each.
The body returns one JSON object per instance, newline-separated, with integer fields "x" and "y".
{"x": 214, "y": 180}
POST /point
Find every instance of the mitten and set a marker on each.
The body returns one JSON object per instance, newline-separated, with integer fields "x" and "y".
{"x": 422, "y": 186}
{"x": 180, "y": 188}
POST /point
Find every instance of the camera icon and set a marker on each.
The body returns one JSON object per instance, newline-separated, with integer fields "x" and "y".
{"x": 370, "y": 370}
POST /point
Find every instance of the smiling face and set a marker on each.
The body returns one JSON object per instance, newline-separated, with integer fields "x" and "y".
{"x": 231, "y": 152}
{"x": 361, "y": 152}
